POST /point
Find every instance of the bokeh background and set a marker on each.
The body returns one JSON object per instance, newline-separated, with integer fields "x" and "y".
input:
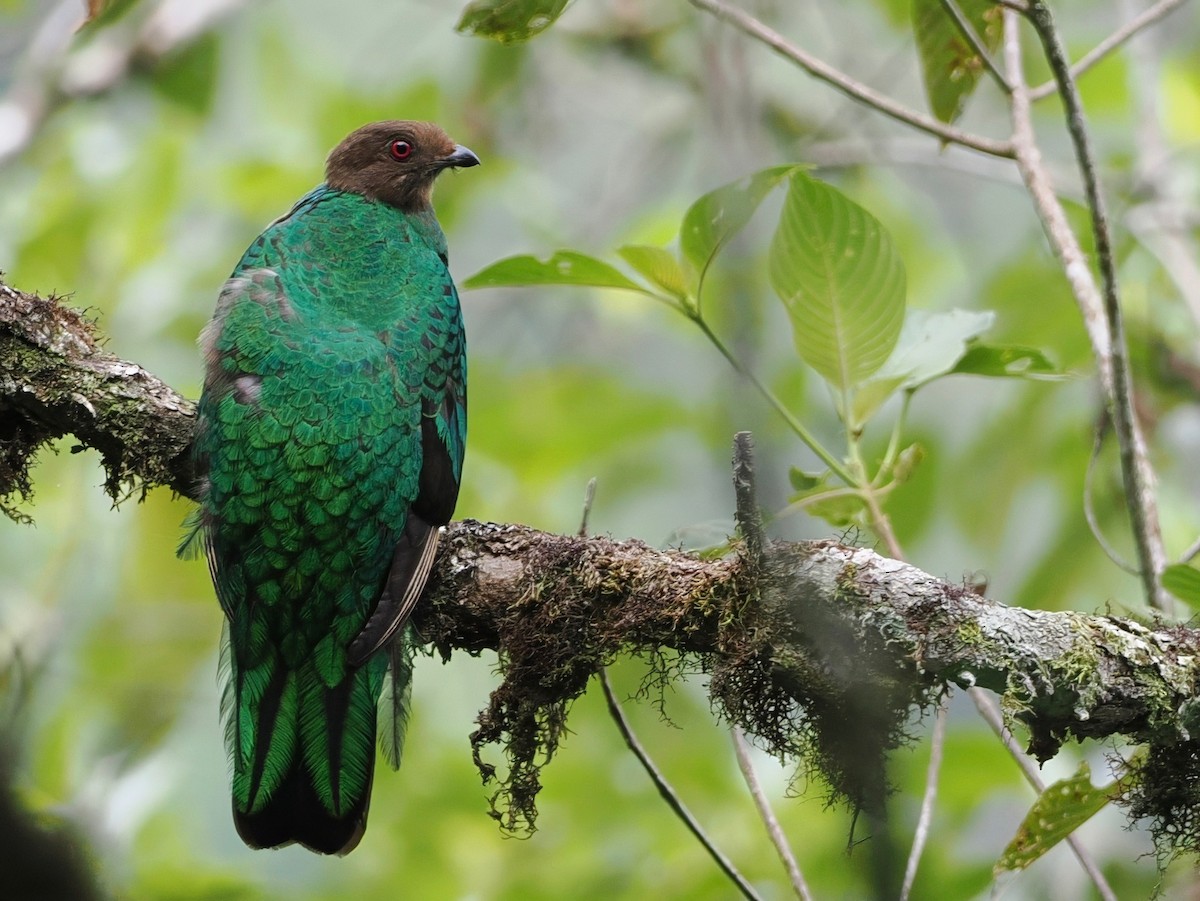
{"x": 139, "y": 157}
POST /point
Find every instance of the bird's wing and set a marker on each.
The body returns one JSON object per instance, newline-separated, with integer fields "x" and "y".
{"x": 411, "y": 563}
{"x": 443, "y": 438}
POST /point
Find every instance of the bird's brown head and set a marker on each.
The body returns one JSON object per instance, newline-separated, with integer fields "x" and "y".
{"x": 395, "y": 162}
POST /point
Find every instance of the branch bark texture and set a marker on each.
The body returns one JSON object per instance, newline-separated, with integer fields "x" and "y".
{"x": 56, "y": 380}
{"x": 812, "y": 647}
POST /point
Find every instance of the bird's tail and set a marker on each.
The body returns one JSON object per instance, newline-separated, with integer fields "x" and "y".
{"x": 396, "y": 697}
{"x": 303, "y": 754}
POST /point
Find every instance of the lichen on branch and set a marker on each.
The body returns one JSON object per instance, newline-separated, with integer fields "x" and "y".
{"x": 56, "y": 380}
{"x": 820, "y": 651}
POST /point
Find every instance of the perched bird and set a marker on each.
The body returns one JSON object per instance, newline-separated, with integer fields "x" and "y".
{"x": 329, "y": 447}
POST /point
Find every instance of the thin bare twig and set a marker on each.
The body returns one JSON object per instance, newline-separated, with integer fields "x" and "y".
{"x": 1135, "y": 466}
{"x": 1109, "y": 44}
{"x": 990, "y": 712}
{"x": 668, "y": 793}
{"x": 1098, "y": 319}
{"x": 742, "y": 749}
{"x": 801, "y": 431}
{"x": 754, "y": 28}
{"x": 1089, "y": 511}
{"x": 843, "y": 153}
{"x": 749, "y": 518}
{"x": 1049, "y": 210}
{"x": 967, "y": 30}
{"x": 937, "y": 744}
{"x": 589, "y": 496}
{"x": 1191, "y": 552}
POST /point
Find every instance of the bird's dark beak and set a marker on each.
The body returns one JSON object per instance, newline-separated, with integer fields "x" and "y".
{"x": 461, "y": 158}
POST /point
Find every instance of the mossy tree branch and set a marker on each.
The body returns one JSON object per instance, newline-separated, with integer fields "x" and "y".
{"x": 56, "y": 380}
{"x": 809, "y": 649}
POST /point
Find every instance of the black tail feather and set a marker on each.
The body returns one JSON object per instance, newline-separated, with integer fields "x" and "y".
{"x": 295, "y": 814}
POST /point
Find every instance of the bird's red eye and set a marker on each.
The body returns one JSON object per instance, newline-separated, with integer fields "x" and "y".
{"x": 401, "y": 150}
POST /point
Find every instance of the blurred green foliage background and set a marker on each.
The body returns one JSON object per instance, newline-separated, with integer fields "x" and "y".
{"x": 150, "y": 156}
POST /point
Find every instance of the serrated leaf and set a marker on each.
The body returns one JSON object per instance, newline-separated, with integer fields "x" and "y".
{"x": 950, "y": 65}
{"x": 567, "y": 267}
{"x": 1061, "y": 809}
{"x": 658, "y": 266}
{"x": 720, "y": 214}
{"x": 1007, "y": 361}
{"x": 841, "y": 280}
{"x": 509, "y": 21}
{"x": 1183, "y": 581}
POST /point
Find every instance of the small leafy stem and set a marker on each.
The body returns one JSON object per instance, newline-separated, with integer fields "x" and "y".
{"x": 801, "y": 431}
{"x": 842, "y": 285}
{"x": 873, "y": 495}
{"x": 887, "y": 465}
{"x": 870, "y": 490}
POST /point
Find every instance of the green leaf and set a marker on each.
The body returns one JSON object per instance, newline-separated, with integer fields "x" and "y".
{"x": 720, "y": 214}
{"x": 949, "y": 63}
{"x": 907, "y": 462}
{"x": 1062, "y": 808}
{"x": 805, "y": 481}
{"x": 567, "y": 267}
{"x": 929, "y": 346}
{"x": 1183, "y": 581}
{"x": 1007, "y": 361}
{"x": 839, "y": 510}
{"x": 658, "y": 266}
{"x": 509, "y": 21}
{"x": 837, "y": 505}
{"x": 868, "y": 398}
{"x": 841, "y": 280}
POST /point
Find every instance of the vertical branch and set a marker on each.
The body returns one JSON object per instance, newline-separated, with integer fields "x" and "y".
{"x": 1054, "y": 219}
{"x": 1101, "y": 309}
{"x": 778, "y": 839}
{"x": 749, "y": 520}
{"x": 668, "y": 793}
{"x": 1135, "y": 464}
{"x": 631, "y": 741}
{"x": 589, "y": 497}
{"x": 937, "y": 744}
